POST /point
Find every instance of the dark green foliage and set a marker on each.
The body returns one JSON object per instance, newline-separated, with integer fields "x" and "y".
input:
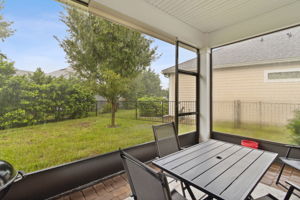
{"x": 146, "y": 84}
{"x": 14, "y": 118}
{"x": 38, "y": 98}
{"x": 294, "y": 126}
{"x": 152, "y": 106}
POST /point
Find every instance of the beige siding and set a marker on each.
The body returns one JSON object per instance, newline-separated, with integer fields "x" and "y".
{"x": 187, "y": 88}
{"x": 242, "y": 83}
{"x": 248, "y": 84}
{"x": 187, "y": 93}
{"x": 260, "y": 101}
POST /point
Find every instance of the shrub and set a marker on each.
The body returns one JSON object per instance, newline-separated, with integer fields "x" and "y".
{"x": 14, "y": 118}
{"x": 294, "y": 126}
{"x": 38, "y": 98}
{"x": 152, "y": 106}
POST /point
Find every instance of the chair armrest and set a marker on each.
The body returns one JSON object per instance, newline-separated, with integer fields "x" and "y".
{"x": 292, "y": 146}
{"x": 294, "y": 185}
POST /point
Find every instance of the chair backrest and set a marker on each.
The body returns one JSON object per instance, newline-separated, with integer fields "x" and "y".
{"x": 166, "y": 139}
{"x": 145, "y": 183}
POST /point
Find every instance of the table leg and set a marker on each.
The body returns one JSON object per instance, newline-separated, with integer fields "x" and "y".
{"x": 190, "y": 192}
{"x": 249, "y": 198}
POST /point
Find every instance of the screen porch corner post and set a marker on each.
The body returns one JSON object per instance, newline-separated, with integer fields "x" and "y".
{"x": 205, "y": 93}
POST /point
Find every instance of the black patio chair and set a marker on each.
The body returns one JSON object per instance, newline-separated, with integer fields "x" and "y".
{"x": 145, "y": 183}
{"x": 288, "y": 195}
{"x": 167, "y": 142}
{"x": 292, "y": 162}
{"x": 166, "y": 139}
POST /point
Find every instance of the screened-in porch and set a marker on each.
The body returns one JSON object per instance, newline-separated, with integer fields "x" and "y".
{"x": 211, "y": 102}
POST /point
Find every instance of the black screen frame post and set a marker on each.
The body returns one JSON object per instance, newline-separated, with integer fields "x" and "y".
{"x": 189, "y": 73}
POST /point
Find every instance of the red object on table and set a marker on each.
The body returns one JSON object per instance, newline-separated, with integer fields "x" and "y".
{"x": 249, "y": 143}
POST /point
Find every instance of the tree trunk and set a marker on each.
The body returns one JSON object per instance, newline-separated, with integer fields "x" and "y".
{"x": 113, "y": 114}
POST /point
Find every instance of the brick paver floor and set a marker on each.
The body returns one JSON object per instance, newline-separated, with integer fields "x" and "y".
{"x": 117, "y": 188}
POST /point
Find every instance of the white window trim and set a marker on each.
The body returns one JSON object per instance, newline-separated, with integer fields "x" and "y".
{"x": 266, "y": 72}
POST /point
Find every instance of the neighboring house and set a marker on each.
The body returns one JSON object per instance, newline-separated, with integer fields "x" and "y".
{"x": 66, "y": 72}
{"x": 22, "y": 72}
{"x": 264, "y": 72}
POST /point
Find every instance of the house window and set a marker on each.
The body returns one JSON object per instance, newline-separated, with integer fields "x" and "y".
{"x": 287, "y": 75}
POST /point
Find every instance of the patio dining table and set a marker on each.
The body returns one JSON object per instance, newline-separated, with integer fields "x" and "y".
{"x": 220, "y": 169}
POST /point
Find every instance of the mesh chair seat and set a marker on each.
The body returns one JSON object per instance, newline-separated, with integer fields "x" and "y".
{"x": 293, "y": 186}
{"x": 287, "y": 160}
{"x": 295, "y": 163}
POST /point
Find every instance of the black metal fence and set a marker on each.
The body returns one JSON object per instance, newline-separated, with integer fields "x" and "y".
{"x": 259, "y": 113}
{"x": 157, "y": 111}
{"x": 236, "y": 112}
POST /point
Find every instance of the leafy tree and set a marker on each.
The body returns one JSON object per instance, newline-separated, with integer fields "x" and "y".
{"x": 108, "y": 55}
{"x": 5, "y": 30}
{"x": 146, "y": 84}
{"x": 6, "y": 72}
{"x": 7, "y": 69}
{"x": 39, "y": 77}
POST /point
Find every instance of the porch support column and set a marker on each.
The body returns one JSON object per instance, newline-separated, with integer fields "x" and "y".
{"x": 205, "y": 94}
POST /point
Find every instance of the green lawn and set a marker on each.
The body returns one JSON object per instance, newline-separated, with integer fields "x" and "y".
{"x": 272, "y": 133}
{"x": 41, "y": 146}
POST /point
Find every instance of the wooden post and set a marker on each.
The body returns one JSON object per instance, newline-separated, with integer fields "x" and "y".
{"x": 234, "y": 114}
{"x": 237, "y": 113}
{"x": 260, "y": 114}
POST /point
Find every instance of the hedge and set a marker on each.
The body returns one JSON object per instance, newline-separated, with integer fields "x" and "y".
{"x": 153, "y": 106}
{"x": 38, "y": 98}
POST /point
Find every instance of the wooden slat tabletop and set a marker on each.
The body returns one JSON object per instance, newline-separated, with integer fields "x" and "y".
{"x": 223, "y": 170}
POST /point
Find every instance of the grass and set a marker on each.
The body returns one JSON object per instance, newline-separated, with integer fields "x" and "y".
{"x": 37, "y": 147}
{"x": 272, "y": 133}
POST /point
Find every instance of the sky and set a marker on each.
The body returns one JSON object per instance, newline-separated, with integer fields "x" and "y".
{"x": 36, "y": 22}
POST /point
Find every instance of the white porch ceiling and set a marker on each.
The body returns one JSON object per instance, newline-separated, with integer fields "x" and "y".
{"x": 211, "y": 15}
{"x": 203, "y": 23}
